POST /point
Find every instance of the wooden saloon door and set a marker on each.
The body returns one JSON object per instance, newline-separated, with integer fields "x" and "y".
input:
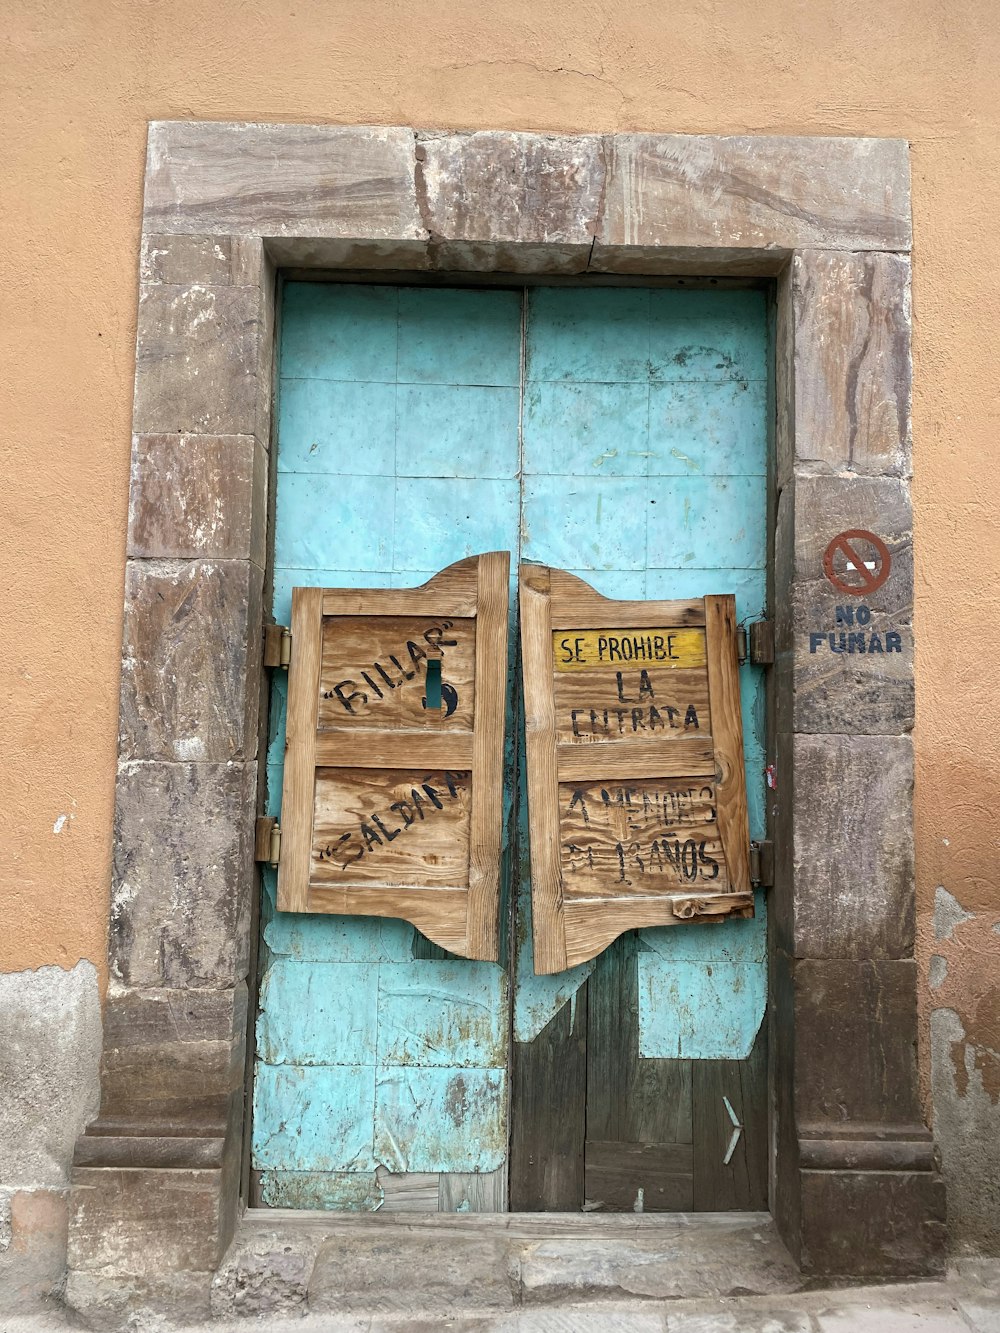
{"x": 636, "y": 786}
{"x": 394, "y": 764}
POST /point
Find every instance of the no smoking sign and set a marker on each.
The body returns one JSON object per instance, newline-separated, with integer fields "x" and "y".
{"x": 857, "y": 562}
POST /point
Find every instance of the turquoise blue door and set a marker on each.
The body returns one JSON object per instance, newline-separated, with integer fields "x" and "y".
{"x": 620, "y": 434}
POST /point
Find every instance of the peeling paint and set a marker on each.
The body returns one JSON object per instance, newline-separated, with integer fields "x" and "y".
{"x": 948, "y": 914}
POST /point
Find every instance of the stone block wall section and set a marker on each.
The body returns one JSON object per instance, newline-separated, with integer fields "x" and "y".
{"x": 155, "y": 1191}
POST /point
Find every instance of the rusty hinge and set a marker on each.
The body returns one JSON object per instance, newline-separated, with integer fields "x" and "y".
{"x": 267, "y": 840}
{"x": 760, "y": 634}
{"x": 762, "y": 865}
{"x": 277, "y": 646}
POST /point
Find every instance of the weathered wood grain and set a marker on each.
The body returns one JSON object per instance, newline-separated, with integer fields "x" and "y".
{"x": 636, "y": 759}
{"x": 387, "y": 749}
{"x": 638, "y": 1177}
{"x": 548, "y": 1114}
{"x": 440, "y": 914}
{"x": 375, "y": 671}
{"x": 636, "y": 702}
{"x": 540, "y": 745}
{"x": 644, "y": 840}
{"x": 391, "y": 827}
{"x": 623, "y": 822}
{"x": 486, "y": 830}
{"x": 390, "y": 791}
{"x": 632, "y": 1103}
{"x": 300, "y": 760}
{"x": 727, "y": 738}
{"x": 728, "y": 1094}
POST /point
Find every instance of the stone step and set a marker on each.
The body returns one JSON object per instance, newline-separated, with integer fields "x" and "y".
{"x": 439, "y": 1264}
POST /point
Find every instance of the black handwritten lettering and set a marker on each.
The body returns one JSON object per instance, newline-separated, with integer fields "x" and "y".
{"x": 389, "y": 836}
{"x": 347, "y": 692}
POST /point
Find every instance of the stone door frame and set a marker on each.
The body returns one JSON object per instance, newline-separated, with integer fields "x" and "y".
{"x": 156, "y": 1178}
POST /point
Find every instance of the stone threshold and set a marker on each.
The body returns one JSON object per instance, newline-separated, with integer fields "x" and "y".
{"x": 478, "y": 1264}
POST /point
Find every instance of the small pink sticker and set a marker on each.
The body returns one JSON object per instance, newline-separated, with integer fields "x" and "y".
{"x": 771, "y": 774}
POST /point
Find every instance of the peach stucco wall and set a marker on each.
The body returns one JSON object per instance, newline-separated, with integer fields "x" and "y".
{"x": 79, "y": 83}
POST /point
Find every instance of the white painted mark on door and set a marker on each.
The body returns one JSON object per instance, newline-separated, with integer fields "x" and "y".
{"x": 737, "y": 1131}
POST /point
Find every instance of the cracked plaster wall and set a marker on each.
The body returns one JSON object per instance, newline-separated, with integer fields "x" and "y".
{"x": 81, "y": 83}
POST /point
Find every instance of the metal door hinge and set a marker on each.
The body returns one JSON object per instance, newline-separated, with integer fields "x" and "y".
{"x": 277, "y": 646}
{"x": 756, "y": 643}
{"x": 762, "y": 865}
{"x": 267, "y": 840}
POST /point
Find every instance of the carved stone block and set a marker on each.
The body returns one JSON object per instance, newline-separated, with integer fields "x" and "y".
{"x": 884, "y": 1223}
{"x": 191, "y": 660}
{"x": 148, "y": 1219}
{"x": 852, "y": 362}
{"x": 757, "y": 192}
{"x": 197, "y": 360}
{"x": 197, "y": 497}
{"x": 271, "y": 180}
{"x": 503, "y": 187}
{"x": 182, "y": 874}
{"x": 855, "y": 1042}
{"x": 852, "y": 840}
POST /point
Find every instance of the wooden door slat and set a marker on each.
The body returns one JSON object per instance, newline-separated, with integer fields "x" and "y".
{"x": 548, "y": 937}
{"x": 300, "y": 742}
{"x": 727, "y": 736}
{"x": 488, "y": 754}
{"x": 387, "y": 749}
{"x": 459, "y": 601}
{"x": 635, "y": 759}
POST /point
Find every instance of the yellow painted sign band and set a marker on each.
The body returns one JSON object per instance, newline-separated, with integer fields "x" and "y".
{"x": 583, "y": 650}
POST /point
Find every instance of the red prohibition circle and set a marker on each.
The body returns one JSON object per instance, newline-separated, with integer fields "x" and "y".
{"x": 851, "y": 545}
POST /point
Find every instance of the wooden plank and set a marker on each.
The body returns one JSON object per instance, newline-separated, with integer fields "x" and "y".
{"x": 394, "y": 749}
{"x": 727, "y": 736}
{"x": 391, "y": 826}
{"x": 488, "y": 756}
{"x": 473, "y": 1191}
{"x": 665, "y": 705}
{"x": 437, "y": 913}
{"x": 543, "y": 795}
{"x": 408, "y": 1191}
{"x": 642, "y": 840}
{"x": 548, "y": 1114}
{"x": 375, "y": 668}
{"x": 639, "y": 1177}
{"x": 631, "y": 1101}
{"x": 636, "y": 759}
{"x": 300, "y": 762}
{"x": 453, "y": 592}
{"x": 724, "y": 1090}
{"x": 592, "y": 925}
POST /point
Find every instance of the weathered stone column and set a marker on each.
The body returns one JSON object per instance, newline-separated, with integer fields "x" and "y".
{"x": 156, "y": 1176}
{"x": 856, "y": 1186}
